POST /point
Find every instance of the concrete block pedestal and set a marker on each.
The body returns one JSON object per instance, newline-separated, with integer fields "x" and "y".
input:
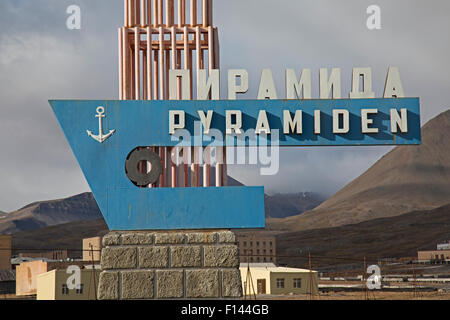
{"x": 170, "y": 265}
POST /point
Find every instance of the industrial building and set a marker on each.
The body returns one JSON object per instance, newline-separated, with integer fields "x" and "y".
{"x": 434, "y": 256}
{"x": 53, "y": 285}
{"x": 268, "y": 279}
{"x": 444, "y": 246}
{"x": 92, "y": 249}
{"x": 5, "y": 252}
{"x": 7, "y": 282}
{"x": 257, "y": 247}
{"x": 27, "y": 273}
{"x": 50, "y": 255}
{"x": 440, "y": 255}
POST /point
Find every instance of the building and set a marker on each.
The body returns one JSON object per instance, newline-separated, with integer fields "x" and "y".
{"x": 5, "y": 252}
{"x": 52, "y": 285}
{"x": 434, "y": 256}
{"x": 27, "y": 273}
{"x": 7, "y": 282}
{"x": 257, "y": 247}
{"x": 268, "y": 279}
{"x": 50, "y": 255}
{"x": 92, "y": 249}
{"x": 440, "y": 255}
{"x": 444, "y": 246}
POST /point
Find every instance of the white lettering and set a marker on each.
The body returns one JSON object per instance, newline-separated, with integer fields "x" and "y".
{"x": 290, "y": 124}
{"x": 173, "y": 125}
{"x": 262, "y": 126}
{"x": 393, "y": 87}
{"x": 237, "y": 125}
{"x": 294, "y": 88}
{"x": 366, "y": 75}
{"x": 330, "y": 85}
{"x": 208, "y": 88}
{"x": 337, "y": 115}
{"x": 206, "y": 120}
{"x": 233, "y": 88}
{"x": 365, "y": 121}
{"x": 267, "y": 88}
{"x": 398, "y": 121}
{"x": 185, "y": 76}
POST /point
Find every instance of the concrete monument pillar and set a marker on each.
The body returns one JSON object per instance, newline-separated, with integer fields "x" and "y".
{"x": 170, "y": 265}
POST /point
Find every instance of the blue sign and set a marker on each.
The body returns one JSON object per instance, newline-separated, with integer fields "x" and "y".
{"x": 103, "y": 133}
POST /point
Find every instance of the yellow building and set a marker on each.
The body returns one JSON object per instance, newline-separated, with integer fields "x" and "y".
{"x": 53, "y": 285}
{"x": 5, "y": 252}
{"x": 267, "y": 279}
{"x": 92, "y": 249}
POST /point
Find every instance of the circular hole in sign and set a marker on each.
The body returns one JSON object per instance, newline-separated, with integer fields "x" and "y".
{"x": 144, "y": 166}
{"x": 141, "y": 158}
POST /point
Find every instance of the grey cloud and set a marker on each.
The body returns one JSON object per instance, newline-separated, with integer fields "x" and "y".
{"x": 40, "y": 59}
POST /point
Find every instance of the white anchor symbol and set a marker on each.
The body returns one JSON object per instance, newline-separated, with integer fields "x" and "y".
{"x": 100, "y": 138}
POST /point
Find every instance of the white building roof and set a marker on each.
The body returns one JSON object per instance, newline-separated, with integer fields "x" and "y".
{"x": 270, "y": 267}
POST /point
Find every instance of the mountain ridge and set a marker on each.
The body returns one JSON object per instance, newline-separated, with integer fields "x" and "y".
{"x": 406, "y": 179}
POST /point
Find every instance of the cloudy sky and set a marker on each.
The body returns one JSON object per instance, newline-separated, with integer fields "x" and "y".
{"x": 41, "y": 59}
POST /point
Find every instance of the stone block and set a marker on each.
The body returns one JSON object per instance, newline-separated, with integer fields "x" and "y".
{"x": 201, "y": 237}
{"x": 231, "y": 283}
{"x": 169, "y": 284}
{"x": 226, "y": 237}
{"x": 137, "y": 285}
{"x": 223, "y": 256}
{"x": 202, "y": 283}
{"x": 137, "y": 239}
{"x": 108, "y": 286}
{"x": 118, "y": 258}
{"x": 169, "y": 238}
{"x": 153, "y": 257}
{"x": 185, "y": 256}
{"x": 111, "y": 239}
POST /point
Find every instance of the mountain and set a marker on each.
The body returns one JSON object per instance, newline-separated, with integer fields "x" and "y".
{"x": 339, "y": 247}
{"x": 48, "y": 213}
{"x": 54, "y": 212}
{"x": 286, "y": 205}
{"x": 406, "y": 179}
{"x": 63, "y": 236}
{"x": 83, "y": 207}
{"x": 344, "y": 246}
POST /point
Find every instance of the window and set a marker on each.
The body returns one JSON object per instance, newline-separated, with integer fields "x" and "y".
{"x": 257, "y": 252}
{"x": 251, "y": 259}
{"x": 280, "y": 283}
{"x": 265, "y": 251}
{"x": 65, "y": 290}
{"x": 245, "y": 243}
{"x": 297, "y": 283}
{"x": 264, "y": 243}
{"x": 258, "y": 259}
{"x": 270, "y": 243}
{"x": 251, "y": 243}
{"x": 257, "y": 243}
{"x": 80, "y": 289}
{"x": 265, "y": 259}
